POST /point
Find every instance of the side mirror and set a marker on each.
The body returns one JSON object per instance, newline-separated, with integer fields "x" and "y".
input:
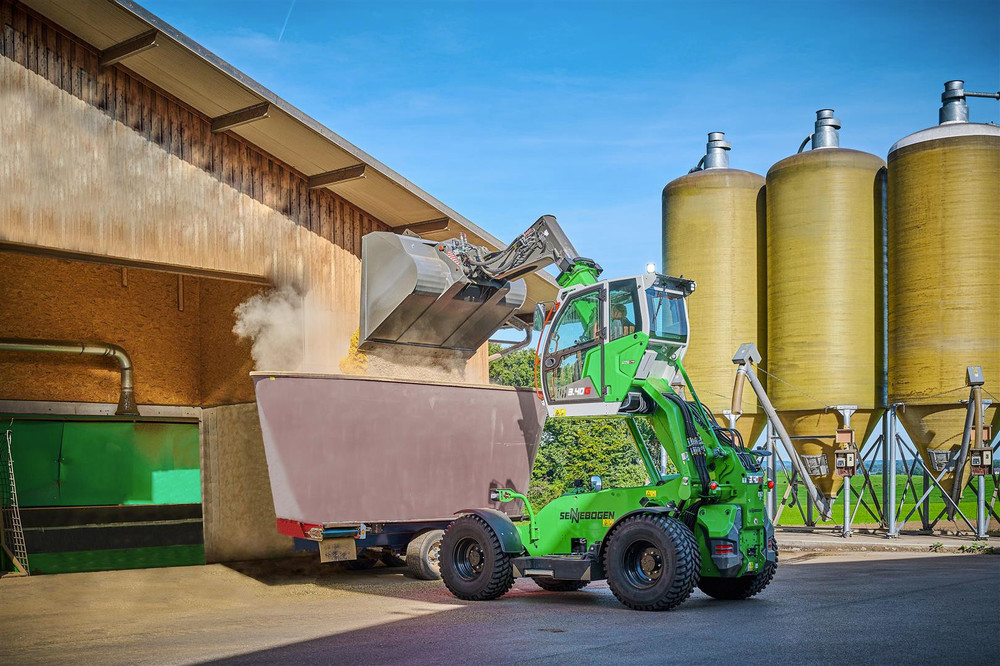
{"x": 596, "y": 484}
{"x": 541, "y": 312}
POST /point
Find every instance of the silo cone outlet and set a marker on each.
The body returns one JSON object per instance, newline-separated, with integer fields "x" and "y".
{"x": 937, "y": 432}
{"x": 818, "y": 454}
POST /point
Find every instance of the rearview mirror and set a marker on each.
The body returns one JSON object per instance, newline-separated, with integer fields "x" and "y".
{"x": 596, "y": 484}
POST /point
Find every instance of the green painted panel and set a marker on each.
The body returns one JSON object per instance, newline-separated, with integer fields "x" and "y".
{"x": 177, "y": 486}
{"x": 35, "y": 449}
{"x": 70, "y": 462}
{"x": 96, "y": 465}
{"x": 106, "y": 560}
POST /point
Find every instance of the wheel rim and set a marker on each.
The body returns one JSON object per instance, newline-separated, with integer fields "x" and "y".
{"x": 469, "y": 558}
{"x": 643, "y": 564}
{"x": 434, "y": 553}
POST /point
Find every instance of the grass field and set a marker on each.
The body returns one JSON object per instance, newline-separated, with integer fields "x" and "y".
{"x": 791, "y": 515}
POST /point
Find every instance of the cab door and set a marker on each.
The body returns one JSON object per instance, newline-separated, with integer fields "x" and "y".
{"x": 573, "y": 352}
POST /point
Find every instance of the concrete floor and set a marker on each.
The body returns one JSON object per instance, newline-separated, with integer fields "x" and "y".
{"x": 858, "y": 607}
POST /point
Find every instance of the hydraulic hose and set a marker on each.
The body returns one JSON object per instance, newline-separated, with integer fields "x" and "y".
{"x": 695, "y": 447}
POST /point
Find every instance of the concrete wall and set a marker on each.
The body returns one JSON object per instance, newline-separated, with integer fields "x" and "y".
{"x": 236, "y": 493}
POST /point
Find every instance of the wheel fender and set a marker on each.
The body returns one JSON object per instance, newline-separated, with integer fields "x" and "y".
{"x": 501, "y": 523}
{"x": 625, "y": 516}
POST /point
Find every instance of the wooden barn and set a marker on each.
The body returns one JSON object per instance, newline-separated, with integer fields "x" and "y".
{"x": 147, "y": 189}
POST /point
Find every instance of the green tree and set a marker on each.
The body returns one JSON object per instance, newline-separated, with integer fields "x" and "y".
{"x": 514, "y": 369}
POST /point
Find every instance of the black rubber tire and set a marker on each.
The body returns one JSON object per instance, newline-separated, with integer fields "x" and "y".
{"x": 366, "y": 560}
{"x": 473, "y": 564}
{"x": 743, "y": 587}
{"x": 668, "y": 547}
{"x": 391, "y": 559}
{"x": 423, "y": 555}
{"x": 553, "y": 585}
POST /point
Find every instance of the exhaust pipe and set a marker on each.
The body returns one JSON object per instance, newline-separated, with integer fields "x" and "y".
{"x": 126, "y": 400}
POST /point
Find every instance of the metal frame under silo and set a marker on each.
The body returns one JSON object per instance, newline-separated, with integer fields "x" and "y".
{"x": 893, "y": 448}
{"x": 892, "y": 443}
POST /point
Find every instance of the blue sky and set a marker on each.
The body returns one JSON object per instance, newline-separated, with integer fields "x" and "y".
{"x": 509, "y": 110}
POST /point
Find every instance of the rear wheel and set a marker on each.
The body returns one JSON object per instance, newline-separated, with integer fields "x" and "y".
{"x": 743, "y": 587}
{"x": 652, "y": 562}
{"x": 553, "y": 585}
{"x": 473, "y": 564}
{"x": 423, "y": 555}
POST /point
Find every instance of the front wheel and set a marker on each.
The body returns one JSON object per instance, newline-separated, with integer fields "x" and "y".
{"x": 652, "y": 562}
{"x": 473, "y": 564}
{"x": 743, "y": 587}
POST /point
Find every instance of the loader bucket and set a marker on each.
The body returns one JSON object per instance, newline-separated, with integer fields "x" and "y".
{"x": 413, "y": 294}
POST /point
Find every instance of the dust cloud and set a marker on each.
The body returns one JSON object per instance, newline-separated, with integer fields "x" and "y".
{"x": 291, "y": 332}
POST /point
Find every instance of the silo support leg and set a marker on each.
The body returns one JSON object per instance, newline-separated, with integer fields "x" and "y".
{"x": 847, "y": 507}
{"x": 982, "y": 517}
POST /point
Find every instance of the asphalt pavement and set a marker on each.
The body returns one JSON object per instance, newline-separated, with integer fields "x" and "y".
{"x": 858, "y": 607}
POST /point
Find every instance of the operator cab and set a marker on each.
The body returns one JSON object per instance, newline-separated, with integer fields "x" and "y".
{"x": 605, "y": 336}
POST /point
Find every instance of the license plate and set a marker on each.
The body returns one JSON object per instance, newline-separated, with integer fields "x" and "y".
{"x": 337, "y": 550}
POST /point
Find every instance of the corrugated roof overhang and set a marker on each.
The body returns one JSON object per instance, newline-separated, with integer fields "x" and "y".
{"x": 205, "y": 82}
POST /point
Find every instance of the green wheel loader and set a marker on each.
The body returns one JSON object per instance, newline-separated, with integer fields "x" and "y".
{"x": 609, "y": 349}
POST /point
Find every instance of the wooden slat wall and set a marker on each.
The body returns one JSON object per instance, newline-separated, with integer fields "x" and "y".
{"x": 72, "y": 66}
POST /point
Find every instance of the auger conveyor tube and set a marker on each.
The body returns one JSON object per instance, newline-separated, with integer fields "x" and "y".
{"x": 742, "y": 361}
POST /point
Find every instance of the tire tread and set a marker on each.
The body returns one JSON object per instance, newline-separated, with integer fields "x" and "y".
{"x": 415, "y": 560}
{"x": 502, "y": 576}
{"x": 744, "y": 587}
{"x": 688, "y": 569}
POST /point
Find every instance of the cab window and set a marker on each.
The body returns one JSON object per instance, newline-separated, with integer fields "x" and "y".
{"x": 578, "y": 324}
{"x": 624, "y": 309}
{"x": 668, "y": 319}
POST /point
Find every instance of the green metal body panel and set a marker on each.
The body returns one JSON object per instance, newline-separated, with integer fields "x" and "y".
{"x": 590, "y": 515}
{"x": 622, "y": 358}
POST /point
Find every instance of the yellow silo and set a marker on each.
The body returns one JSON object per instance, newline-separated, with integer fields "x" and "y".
{"x": 824, "y": 276}
{"x": 713, "y": 233}
{"x": 944, "y": 281}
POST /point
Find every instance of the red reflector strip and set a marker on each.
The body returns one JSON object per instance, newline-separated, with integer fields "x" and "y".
{"x": 723, "y": 549}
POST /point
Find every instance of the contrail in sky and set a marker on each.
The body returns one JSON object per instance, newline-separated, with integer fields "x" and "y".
{"x": 287, "y": 16}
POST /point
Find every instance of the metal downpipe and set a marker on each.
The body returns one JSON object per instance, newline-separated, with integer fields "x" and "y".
{"x": 126, "y": 399}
